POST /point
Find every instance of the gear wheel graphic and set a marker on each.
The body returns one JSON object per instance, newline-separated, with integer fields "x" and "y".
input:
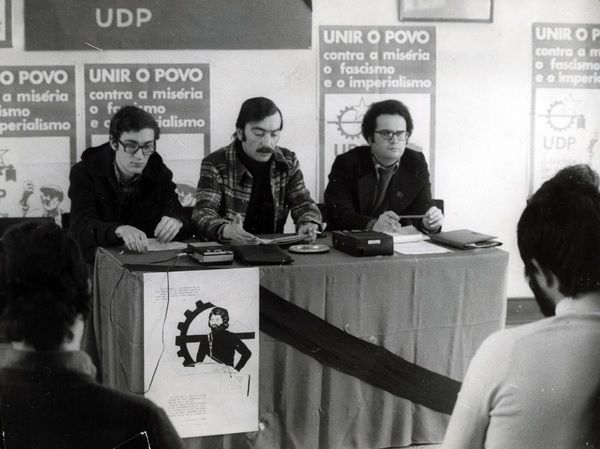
{"x": 342, "y": 120}
{"x": 558, "y": 118}
{"x": 183, "y": 338}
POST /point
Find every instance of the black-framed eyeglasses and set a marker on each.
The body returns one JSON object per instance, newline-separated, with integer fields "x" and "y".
{"x": 389, "y": 135}
{"x": 132, "y": 148}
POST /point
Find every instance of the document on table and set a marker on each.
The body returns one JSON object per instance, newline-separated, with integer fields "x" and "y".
{"x": 408, "y": 234}
{"x": 421, "y": 247}
{"x": 201, "y": 349}
{"x": 154, "y": 245}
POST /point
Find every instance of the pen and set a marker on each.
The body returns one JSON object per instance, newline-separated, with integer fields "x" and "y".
{"x": 400, "y": 217}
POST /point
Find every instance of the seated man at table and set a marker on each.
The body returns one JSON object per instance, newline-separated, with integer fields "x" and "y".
{"x": 49, "y": 398}
{"x": 373, "y": 186}
{"x": 121, "y": 192}
{"x": 249, "y": 186}
{"x": 538, "y": 385}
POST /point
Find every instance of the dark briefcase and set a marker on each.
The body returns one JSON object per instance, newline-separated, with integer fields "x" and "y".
{"x": 363, "y": 243}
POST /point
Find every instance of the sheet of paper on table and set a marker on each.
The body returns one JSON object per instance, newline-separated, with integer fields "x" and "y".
{"x": 193, "y": 370}
{"x": 153, "y": 245}
{"x": 408, "y": 234}
{"x": 421, "y": 247}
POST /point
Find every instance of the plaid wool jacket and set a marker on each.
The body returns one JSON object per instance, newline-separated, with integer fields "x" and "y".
{"x": 225, "y": 186}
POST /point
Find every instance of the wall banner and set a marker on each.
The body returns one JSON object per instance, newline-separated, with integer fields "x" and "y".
{"x": 177, "y": 95}
{"x": 360, "y": 65}
{"x": 173, "y": 24}
{"x": 5, "y": 24}
{"x": 201, "y": 349}
{"x": 565, "y": 98}
{"x": 37, "y": 139}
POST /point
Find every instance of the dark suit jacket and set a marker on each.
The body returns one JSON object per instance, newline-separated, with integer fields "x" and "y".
{"x": 353, "y": 182}
{"x": 96, "y": 200}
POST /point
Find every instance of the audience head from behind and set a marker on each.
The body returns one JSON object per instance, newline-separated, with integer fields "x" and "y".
{"x": 44, "y": 290}
{"x": 559, "y": 237}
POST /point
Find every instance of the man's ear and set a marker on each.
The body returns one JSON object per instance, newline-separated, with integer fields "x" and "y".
{"x": 546, "y": 280}
{"x": 239, "y": 133}
{"x": 112, "y": 143}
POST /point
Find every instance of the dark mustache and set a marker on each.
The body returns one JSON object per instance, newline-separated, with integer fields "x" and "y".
{"x": 265, "y": 150}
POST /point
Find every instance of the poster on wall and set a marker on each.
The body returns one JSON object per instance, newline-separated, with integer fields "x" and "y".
{"x": 360, "y": 65}
{"x": 565, "y": 98}
{"x": 201, "y": 349}
{"x": 37, "y": 139}
{"x": 174, "y": 24}
{"x": 5, "y": 24}
{"x": 177, "y": 95}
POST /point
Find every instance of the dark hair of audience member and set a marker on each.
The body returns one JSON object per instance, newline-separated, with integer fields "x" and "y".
{"x": 43, "y": 285}
{"x": 254, "y": 110}
{"x": 386, "y": 107}
{"x": 560, "y": 228}
{"x": 132, "y": 118}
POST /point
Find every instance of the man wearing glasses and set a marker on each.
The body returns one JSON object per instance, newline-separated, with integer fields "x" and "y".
{"x": 249, "y": 186}
{"x": 122, "y": 192}
{"x": 372, "y": 187}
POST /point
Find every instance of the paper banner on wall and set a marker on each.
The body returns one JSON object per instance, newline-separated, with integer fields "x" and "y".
{"x": 360, "y": 65}
{"x": 5, "y": 24}
{"x": 177, "y": 95}
{"x": 37, "y": 139}
{"x": 201, "y": 334}
{"x": 175, "y": 24}
{"x": 565, "y": 97}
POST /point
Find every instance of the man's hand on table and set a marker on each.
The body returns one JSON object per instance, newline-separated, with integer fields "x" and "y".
{"x": 433, "y": 219}
{"x": 133, "y": 238}
{"x": 166, "y": 229}
{"x": 235, "y": 233}
{"x": 310, "y": 230}
{"x": 387, "y": 222}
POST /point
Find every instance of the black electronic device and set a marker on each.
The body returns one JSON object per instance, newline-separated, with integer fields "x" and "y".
{"x": 211, "y": 255}
{"x": 363, "y": 243}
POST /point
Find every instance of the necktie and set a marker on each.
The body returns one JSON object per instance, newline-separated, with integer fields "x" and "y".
{"x": 385, "y": 174}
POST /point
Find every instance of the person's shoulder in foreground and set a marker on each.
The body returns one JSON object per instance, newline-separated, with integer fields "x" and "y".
{"x": 122, "y": 192}
{"x": 48, "y": 395}
{"x": 538, "y": 385}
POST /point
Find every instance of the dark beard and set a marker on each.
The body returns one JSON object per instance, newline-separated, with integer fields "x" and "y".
{"x": 546, "y": 304}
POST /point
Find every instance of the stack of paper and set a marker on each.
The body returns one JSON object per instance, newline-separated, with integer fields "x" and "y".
{"x": 408, "y": 234}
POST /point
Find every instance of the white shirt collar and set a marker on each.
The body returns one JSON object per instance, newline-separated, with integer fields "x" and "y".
{"x": 585, "y": 305}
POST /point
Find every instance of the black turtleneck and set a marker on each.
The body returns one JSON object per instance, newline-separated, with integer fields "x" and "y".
{"x": 259, "y": 214}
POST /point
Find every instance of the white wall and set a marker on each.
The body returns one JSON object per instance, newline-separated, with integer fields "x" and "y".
{"x": 483, "y": 100}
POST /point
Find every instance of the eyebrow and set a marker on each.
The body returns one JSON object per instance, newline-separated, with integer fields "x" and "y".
{"x": 138, "y": 142}
{"x": 265, "y": 130}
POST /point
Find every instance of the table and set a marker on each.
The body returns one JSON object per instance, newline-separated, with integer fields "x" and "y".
{"x": 432, "y": 310}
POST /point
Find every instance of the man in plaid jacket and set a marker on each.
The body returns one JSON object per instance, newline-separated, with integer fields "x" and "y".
{"x": 248, "y": 187}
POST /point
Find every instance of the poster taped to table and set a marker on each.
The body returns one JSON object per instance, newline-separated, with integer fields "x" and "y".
{"x": 201, "y": 349}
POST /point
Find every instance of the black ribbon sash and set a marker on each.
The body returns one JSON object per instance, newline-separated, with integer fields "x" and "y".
{"x": 370, "y": 363}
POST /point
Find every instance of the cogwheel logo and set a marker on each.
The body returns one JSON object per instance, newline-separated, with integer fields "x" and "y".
{"x": 563, "y": 114}
{"x": 349, "y": 120}
{"x": 219, "y": 345}
{"x": 183, "y": 338}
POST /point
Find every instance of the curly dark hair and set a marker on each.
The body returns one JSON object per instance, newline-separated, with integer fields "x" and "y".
{"x": 43, "y": 284}
{"x": 560, "y": 228}
{"x": 390, "y": 107}
{"x": 223, "y": 313}
{"x": 132, "y": 118}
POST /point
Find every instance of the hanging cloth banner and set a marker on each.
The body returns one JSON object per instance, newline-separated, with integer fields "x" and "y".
{"x": 368, "y": 362}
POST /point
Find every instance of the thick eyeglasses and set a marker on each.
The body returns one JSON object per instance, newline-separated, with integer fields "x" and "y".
{"x": 132, "y": 148}
{"x": 389, "y": 135}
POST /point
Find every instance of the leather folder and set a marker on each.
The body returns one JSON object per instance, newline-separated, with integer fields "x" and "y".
{"x": 261, "y": 254}
{"x": 465, "y": 239}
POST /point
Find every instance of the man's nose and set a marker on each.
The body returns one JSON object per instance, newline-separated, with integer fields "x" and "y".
{"x": 268, "y": 141}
